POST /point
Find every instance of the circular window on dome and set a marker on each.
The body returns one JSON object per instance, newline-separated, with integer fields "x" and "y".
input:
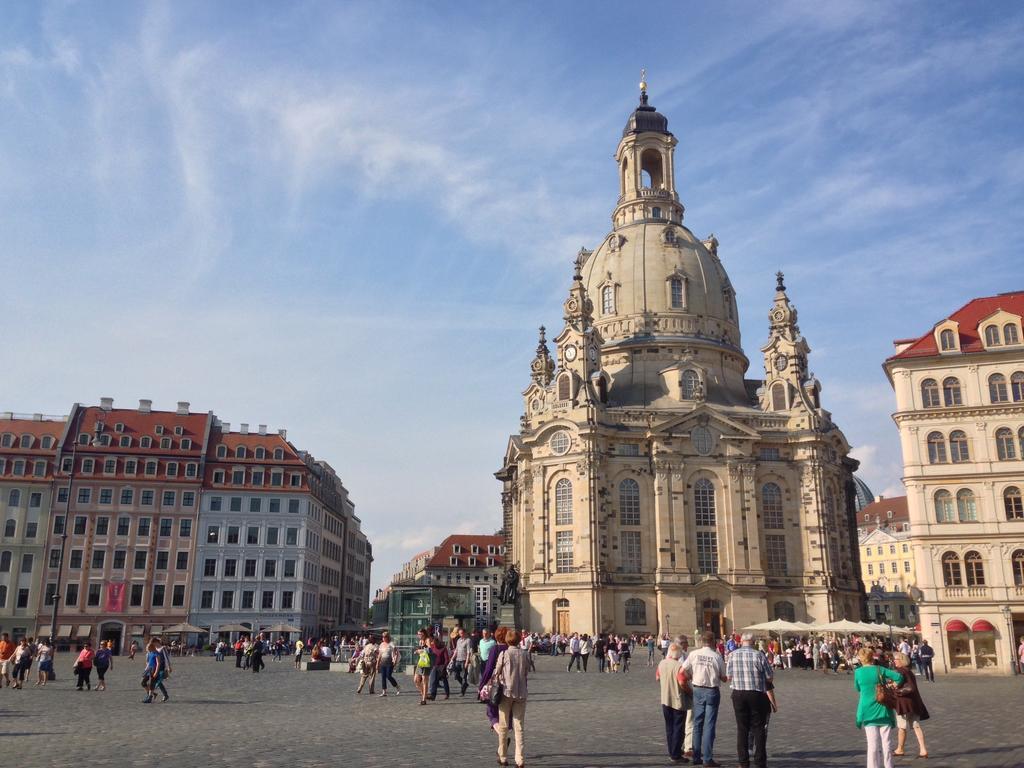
{"x": 701, "y": 437}
{"x": 560, "y": 442}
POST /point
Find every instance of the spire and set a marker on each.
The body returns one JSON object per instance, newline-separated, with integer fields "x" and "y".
{"x": 578, "y": 307}
{"x": 782, "y": 316}
{"x": 780, "y": 284}
{"x": 542, "y": 368}
{"x": 643, "y": 87}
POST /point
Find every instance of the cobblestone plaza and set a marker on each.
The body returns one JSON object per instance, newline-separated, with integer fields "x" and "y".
{"x": 222, "y": 716}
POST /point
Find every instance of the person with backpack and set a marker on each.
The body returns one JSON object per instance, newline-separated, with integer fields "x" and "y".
{"x": 424, "y": 663}
{"x": 104, "y": 661}
{"x": 239, "y": 652}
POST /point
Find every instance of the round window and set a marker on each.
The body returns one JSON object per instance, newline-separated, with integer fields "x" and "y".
{"x": 560, "y": 442}
{"x": 701, "y": 437}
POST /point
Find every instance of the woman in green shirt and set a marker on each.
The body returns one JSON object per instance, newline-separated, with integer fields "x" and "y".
{"x": 876, "y": 719}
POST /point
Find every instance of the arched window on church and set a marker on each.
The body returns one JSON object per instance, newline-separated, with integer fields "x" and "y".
{"x": 704, "y": 502}
{"x": 636, "y": 612}
{"x": 676, "y": 290}
{"x": 563, "y": 502}
{"x": 690, "y": 384}
{"x": 785, "y": 610}
{"x": 602, "y": 389}
{"x": 771, "y": 505}
{"x": 629, "y": 502}
{"x": 778, "y": 396}
{"x": 608, "y": 300}
{"x": 564, "y": 387}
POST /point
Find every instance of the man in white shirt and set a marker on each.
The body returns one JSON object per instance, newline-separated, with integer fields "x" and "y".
{"x": 706, "y": 670}
{"x": 574, "y": 650}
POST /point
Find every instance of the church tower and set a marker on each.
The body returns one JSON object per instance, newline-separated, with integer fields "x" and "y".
{"x": 651, "y": 485}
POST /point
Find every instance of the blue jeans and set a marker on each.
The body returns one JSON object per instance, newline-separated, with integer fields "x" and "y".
{"x": 386, "y": 677}
{"x": 705, "y": 715}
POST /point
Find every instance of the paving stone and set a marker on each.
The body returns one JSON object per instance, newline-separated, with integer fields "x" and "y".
{"x": 222, "y": 716}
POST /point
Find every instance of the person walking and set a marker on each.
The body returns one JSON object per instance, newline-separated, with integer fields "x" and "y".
{"x": 749, "y": 675}
{"x": 601, "y": 652}
{"x": 460, "y": 659}
{"x": 387, "y": 655}
{"x": 625, "y": 652}
{"x": 153, "y": 676}
{"x": 299, "y": 645}
{"x": 7, "y": 649}
{"x": 44, "y": 655}
{"x": 706, "y": 670}
{"x": 511, "y": 671}
{"x": 586, "y": 648}
{"x": 133, "y": 648}
{"x": 910, "y": 708}
{"x": 104, "y": 661}
{"x": 166, "y": 668}
{"x": 22, "y": 662}
{"x": 649, "y": 642}
{"x": 574, "y": 652}
{"x": 423, "y": 663}
{"x": 672, "y": 680}
{"x": 83, "y": 666}
{"x": 1020, "y": 657}
{"x": 439, "y": 668}
{"x": 487, "y": 643}
{"x": 875, "y": 718}
{"x": 684, "y": 651}
{"x": 367, "y": 665}
{"x": 927, "y": 653}
{"x": 258, "y": 649}
{"x": 500, "y": 636}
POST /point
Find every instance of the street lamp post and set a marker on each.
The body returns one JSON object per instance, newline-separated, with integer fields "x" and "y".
{"x": 55, "y": 595}
{"x": 1008, "y": 616}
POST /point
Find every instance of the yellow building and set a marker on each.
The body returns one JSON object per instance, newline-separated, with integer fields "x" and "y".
{"x": 652, "y": 486}
{"x": 960, "y": 412}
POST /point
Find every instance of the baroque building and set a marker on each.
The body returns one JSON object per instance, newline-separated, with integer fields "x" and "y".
{"x": 652, "y": 486}
{"x": 960, "y": 413}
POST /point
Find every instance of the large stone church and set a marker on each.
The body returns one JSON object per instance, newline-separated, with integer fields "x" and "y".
{"x": 651, "y": 485}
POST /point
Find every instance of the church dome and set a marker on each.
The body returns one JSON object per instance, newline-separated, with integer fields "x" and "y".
{"x": 646, "y": 118}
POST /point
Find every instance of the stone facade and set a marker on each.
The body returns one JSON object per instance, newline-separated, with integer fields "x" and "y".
{"x": 960, "y": 413}
{"x": 651, "y": 486}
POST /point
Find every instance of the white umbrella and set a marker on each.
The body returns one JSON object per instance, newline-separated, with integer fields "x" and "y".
{"x": 843, "y": 627}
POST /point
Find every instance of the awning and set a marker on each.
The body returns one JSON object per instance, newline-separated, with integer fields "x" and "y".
{"x": 138, "y": 629}
{"x": 64, "y": 630}
{"x": 43, "y": 630}
{"x": 156, "y": 629}
{"x": 982, "y": 626}
{"x": 84, "y": 630}
{"x": 955, "y": 625}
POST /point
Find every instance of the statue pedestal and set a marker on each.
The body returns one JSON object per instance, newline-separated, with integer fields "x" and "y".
{"x": 505, "y": 616}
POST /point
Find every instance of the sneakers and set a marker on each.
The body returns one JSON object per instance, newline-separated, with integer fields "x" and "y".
{"x": 384, "y": 694}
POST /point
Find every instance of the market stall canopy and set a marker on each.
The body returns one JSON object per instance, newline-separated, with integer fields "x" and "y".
{"x": 780, "y": 626}
{"x": 843, "y": 627}
{"x": 234, "y": 628}
{"x": 181, "y": 629}
{"x": 283, "y": 628}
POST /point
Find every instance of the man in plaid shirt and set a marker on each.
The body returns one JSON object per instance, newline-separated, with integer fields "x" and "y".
{"x": 749, "y": 675}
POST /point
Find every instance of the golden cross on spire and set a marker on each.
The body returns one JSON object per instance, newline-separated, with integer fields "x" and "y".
{"x": 643, "y": 79}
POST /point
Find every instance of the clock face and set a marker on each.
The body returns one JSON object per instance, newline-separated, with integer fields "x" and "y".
{"x": 781, "y": 362}
{"x": 570, "y": 352}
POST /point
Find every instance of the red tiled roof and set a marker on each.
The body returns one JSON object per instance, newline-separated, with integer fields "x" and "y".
{"x": 137, "y": 424}
{"x": 38, "y": 429}
{"x": 442, "y": 558}
{"x": 897, "y": 505}
{"x": 968, "y": 317}
{"x": 251, "y": 441}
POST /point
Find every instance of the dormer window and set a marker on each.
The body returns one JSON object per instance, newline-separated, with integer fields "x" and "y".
{"x": 992, "y": 336}
{"x": 472, "y": 562}
{"x": 47, "y": 442}
{"x": 947, "y": 340}
{"x": 278, "y": 454}
{"x": 475, "y": 549}
{"x": 676, "y": 292}
{"x": 125, "y": 442}
{"x": 119, "y": 427}
{"x": 186, "y": 444}
{"x": 261, "y": 453}
{"x": 490, "y": 562}
{"x": 145, "y": 441}
{"x": 1010, "y": 334}
{"x": 453, "y": 561}
{"x": 491, "y": 549}
{"x": 159, "y": 429}
{"x": 457, "y": 549}
{"x": 222, "y": 451}
{"x": 240, "y": 452}
{"x": 165, "y": 443}
{"x": 689, "y": 384}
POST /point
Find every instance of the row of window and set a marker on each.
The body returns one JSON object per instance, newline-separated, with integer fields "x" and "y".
{"x": 1010, "y": 335}
{"x": 5, "y": 562}
{"x": 22, "y": 598}
{"x": 241, "y": 452}
{"x": 967, "y": 505}
{"x": 136, "y": 595}
{"x": 18, "y": 467}
{"x": 959, "y": 452}
{"x": 892, "y": 549}
{"x": 256, "y": 477}
{"x": 250, "y": 566}
{"x": 972, "y": 573}
{"x": 255, "y": 504}
{"x": 952, "y": 394}
{"x": 125, "y": 441}
{"x": 119, "y": 559}
{"x": 247, "y": 602}
{"x": 8, "y": 440}
{"x": 271, "y": 536}
{"x": 143, "y": 526}
{"x": 893, "y": 568}
{"x": 105, "y": 496}
{"x": 149, "y": 467}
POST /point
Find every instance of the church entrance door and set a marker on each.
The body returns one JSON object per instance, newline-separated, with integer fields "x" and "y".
{"x": 563, "y": 621}
{"x": 713, "y": 622}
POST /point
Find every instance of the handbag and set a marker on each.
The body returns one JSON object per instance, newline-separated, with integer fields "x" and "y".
{"x": 885, "y": 694}
{"x": 497, "y": 692}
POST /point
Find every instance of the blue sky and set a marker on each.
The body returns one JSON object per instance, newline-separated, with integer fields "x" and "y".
{"x": 348, "y": 219}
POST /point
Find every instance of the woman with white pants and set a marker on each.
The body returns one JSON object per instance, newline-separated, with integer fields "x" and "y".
{"x": 877, "y": 720}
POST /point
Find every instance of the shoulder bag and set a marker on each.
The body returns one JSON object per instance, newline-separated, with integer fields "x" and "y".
{"x": 885, "y": 693}
{"x": 497, "y": 692}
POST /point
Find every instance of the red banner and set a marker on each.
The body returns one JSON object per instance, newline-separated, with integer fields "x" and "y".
{"x": 115, "y": 597}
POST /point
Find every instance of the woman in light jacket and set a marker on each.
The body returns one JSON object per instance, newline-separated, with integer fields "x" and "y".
{"x": 511, "y": 671}
{"x": 910, "y": 708}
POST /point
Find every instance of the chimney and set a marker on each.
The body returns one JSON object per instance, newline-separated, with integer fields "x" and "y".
{"x": 283, "y": 433}
{"x": 879, "y": 498}
{"x": 244, "y": 428}
{"x": 7, "y": 415}
{"x": 183, "y": 407}
{"x": 225, "y": 427}
{"x": 145, "y": 406}
{"x": 106, "y": 403}
{"x": 263, "y": 429}
{"x": 37, "y": 417}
